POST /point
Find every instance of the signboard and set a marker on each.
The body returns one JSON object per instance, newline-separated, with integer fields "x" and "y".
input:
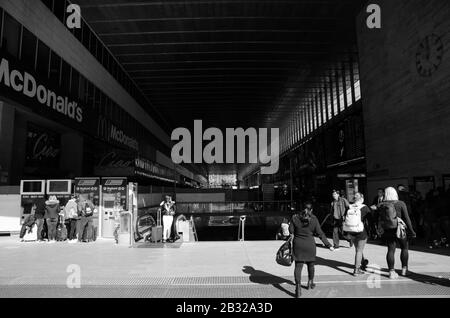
{"x": 146, "y": 168}
{"x": 43, "y": 147}
{"x": 23, "y": 85}
{"x": 108, "y": 131}
{"x": 114, "y": 192}
{"x": 351, "y": 187}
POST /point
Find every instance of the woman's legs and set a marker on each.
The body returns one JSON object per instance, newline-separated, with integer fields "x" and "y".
{"x": 298, "y": 272}
{"x": 390, "y": 257}
{"x": 404, "y": 255}
{"x": 359, "y": 255}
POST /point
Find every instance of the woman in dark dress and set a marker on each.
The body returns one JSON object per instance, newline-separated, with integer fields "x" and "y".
{"x": 303, "y": 226}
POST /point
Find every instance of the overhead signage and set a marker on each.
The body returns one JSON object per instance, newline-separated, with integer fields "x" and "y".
{"x": 109, "y": 132}
{"x": 26, "y": 84}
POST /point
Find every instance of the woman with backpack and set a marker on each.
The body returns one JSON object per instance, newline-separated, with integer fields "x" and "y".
{"x": 354, "y": 226}
{"x": 396, "y": 226}
{"x": 302, "y": 227}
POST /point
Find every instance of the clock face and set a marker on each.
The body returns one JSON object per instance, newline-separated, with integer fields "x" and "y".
{"x": 429, "y": 55}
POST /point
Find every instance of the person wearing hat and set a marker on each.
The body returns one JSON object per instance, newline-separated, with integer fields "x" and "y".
{"x": 51, "y": 216}
{"x": 71, "y": 214}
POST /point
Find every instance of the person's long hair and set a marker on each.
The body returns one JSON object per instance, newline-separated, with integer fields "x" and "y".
{"x": 305, "y": 216}
{"x": 390, "y": 194}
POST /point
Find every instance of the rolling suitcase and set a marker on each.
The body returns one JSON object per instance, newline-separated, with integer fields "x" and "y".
{"x": 157, "y": 231}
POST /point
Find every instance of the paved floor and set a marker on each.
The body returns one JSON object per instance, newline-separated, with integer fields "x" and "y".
{"x": 204, "y": 270}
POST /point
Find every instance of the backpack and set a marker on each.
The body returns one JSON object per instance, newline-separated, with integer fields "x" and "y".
{"x": 388, "y": 216}
{"x": 352, "y": 221}
{"x": 61, "y": 231}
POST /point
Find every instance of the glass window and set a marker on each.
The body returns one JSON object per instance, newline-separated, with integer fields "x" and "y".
{"x": 90, "y": 94}
{"x": 75, "y": 83}
{"x": 28, "y": 50}
{"x": 11, "y": 36}
{"x": 55, "y": 68}
{"x": 323, "y": 106}
{"x": 348, "y": 85}
{"x": 59, "y": 9}
{"x": 43, "y": 60}
{"x": 341, "y": 91}
{"x": 65, "y": 77}
{"x": 357, "y": 82}
{"x": 82, "y": 90}
{"x": 86, "y": 35}
{"x": 97, "y": 99}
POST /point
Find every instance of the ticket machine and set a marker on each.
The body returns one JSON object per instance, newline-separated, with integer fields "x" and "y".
{"x": 114, "y": 201}
{"x": 62, "y": 189}
{"x": 88, "y": 189}
{"x": 31, "y": 191}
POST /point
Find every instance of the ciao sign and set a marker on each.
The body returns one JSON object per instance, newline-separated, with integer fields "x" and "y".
{"x": 43, "y": 147}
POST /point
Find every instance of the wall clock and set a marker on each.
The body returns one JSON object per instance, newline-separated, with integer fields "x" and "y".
{"x": 429, "y": 55}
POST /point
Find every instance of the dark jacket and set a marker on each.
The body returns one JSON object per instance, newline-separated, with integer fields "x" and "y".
{"x": 84, "y": 207}
{"x": 338, "y": 208}
{"x": 52, "y": 211}
{"x": 40, "y": 209}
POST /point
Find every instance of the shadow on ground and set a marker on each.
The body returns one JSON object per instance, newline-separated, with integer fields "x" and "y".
{"x": 264, "y": 278}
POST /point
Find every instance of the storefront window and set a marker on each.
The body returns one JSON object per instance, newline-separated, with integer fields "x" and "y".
{"x": 28, "y": 50}
{"x": 11, "y": 36}
{"x": 55, "y": 68}
{"x": 43, "y": 60}
{"x": 65, "y": 76}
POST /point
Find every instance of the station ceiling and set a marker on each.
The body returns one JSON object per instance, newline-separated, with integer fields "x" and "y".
{"x": 231, "y": 63}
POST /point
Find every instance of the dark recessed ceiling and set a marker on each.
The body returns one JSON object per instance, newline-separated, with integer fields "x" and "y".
{"x": 228, "y": 63}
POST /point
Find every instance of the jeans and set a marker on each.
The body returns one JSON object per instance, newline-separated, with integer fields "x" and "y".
{"x": 299, "y": 268}
{"x": 40, "y": 228}
{"x": 167, "y": 226}
{"x": 337, "y": 230}
{"x": 86, "y": 223}
{"x": 391, "y": 241}
{"x": 51, "y": 225}
{"x": 73, "y": 229}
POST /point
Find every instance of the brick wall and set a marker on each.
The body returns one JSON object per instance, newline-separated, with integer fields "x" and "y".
{"x": 407, "y": 116}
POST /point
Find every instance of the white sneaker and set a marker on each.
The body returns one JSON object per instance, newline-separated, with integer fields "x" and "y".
{"x": 393, "y": 275}
{"x": 52, "y": 241}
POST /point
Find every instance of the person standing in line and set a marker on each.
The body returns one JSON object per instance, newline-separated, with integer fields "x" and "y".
{"x": 86, "y": 222}
{"x": 354, "y": 226}
{"x": 302, "y": 228}
{"x": 71, "y": 214}
{"x": 167, "y": 211}
{"x": 28, "y": 224}
{"x": 372, "y": 218}
{"x": 39, "y": 215}
{"x": 52, "y": 210}
{"x": 391, "y": 210}
{"x": 339, "y": 206}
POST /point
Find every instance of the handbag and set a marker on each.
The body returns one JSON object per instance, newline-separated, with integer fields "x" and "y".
{"x": 401, "y": 229}
{"x": 284, "y": 255}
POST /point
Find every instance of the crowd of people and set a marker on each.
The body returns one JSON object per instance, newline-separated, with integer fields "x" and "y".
{"x": 388, "y": 217}
{"x": 51, "y": 223}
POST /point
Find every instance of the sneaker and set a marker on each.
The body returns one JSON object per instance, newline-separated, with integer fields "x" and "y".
{"x": 336, "y": 248}
{"x": 364, "y": 264}
{"x": 393, "y": 275}
{"x": 52, "y": 241}
{"x": 72, "y": 241}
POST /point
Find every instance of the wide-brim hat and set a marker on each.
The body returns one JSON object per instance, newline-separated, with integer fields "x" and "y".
{"x": 52, "y": 200}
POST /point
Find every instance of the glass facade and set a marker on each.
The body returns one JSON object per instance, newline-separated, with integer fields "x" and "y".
{"x": 337, "y": 89}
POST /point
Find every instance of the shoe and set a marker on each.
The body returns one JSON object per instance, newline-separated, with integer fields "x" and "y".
{"x": 358, "y": 272}
{"x": 72, "y": 241}
{"x": 336, "y": 248}
{"x": 311, "y": 285}
{"x": 393, "y": 274}
{"x": 404, "y": 271}
{"x": 364, "y": 264}
{"x": 298, "y": 290}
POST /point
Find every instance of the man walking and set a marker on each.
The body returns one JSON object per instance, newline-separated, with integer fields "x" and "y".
{"x": 339, "y": 206}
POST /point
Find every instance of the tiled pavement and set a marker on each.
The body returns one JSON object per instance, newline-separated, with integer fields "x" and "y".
{"x": 203, "y": 270}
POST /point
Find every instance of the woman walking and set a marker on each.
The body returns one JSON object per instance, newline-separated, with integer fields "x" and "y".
{"x": 302, "y": 228}
{"x": 391, "y": 210}
{"x": 354, "y": 226}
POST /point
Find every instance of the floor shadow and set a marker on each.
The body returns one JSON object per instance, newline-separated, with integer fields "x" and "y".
{"x": 335, "y": 264}
{"x": 264, "y": 278}
{"x": 428, "y": 279}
